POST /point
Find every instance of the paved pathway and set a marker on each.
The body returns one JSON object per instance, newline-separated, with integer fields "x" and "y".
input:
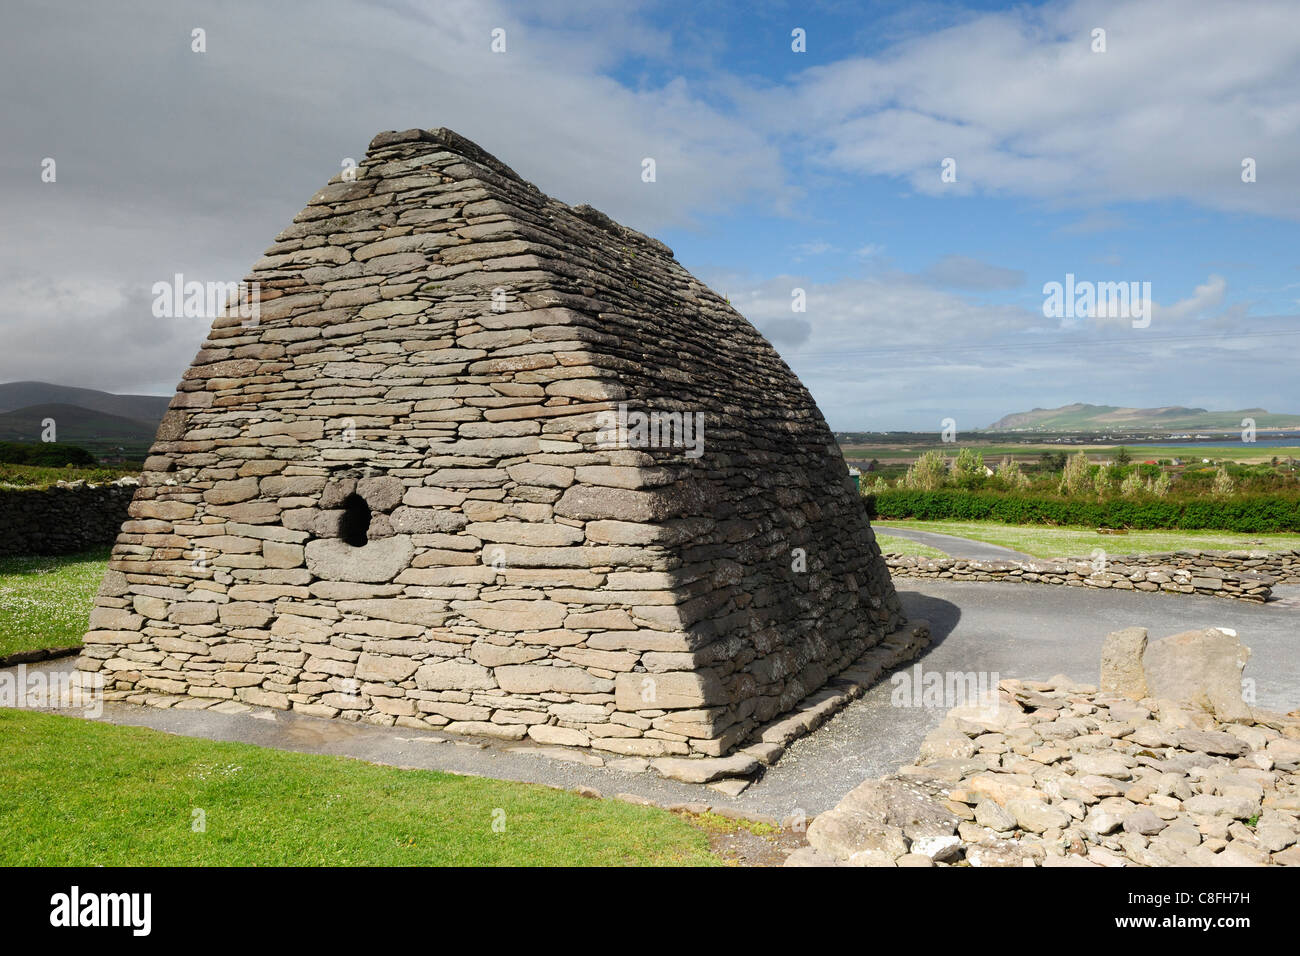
{"x": 1013, "y": 630}
{"x": 1016, "y": 630}
{"x": 956, "y": 547}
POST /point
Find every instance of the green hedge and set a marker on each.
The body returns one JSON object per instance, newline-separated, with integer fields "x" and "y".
{"x": 1243, "y": 513}
{"x": 44, "y": 454}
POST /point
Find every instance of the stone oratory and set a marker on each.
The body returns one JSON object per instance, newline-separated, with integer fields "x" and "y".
{"x": 487, "y": 463}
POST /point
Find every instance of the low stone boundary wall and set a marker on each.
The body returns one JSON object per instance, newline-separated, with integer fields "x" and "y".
{"x": 1241, "y": 575}
{"x": 64, "y": 518}
{"x": 1283, "y": 566}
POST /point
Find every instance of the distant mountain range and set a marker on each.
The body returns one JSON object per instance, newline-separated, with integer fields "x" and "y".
{"x": 1114, "y": 418}
{"x": 100, "y": 422}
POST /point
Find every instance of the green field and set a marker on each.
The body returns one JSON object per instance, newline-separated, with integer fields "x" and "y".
{"x": 45, "y": 602}
{"x": 79, "y": 793}
{"x": 1052, "y": 542}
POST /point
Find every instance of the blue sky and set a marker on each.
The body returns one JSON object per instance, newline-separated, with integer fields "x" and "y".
{"x": 776, "y": 170}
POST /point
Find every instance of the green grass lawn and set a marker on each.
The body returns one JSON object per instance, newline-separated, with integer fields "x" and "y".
{"x": 45, "y": 602}
{"x": 889, "y": 544}
{"x": 80, "y": 793}
{"x": 1047, "y": 542}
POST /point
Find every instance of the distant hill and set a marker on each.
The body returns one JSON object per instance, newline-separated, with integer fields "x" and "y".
{"x": 75, "y": 425}
{"x": 100, "y": 422}
{"x": 141, "y": 408}
{"x": 1081, "y": 417}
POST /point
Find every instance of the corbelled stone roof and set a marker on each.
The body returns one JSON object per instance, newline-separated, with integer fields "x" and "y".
{"x": 414, "y": 489}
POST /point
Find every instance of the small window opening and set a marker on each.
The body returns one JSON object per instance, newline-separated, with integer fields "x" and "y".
{"x": 354, "y": 526}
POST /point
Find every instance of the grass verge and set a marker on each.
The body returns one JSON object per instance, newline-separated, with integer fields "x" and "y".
{"x": 80, "y": 793}
{"x": 891, "y": 544}
{"x": 42, "y": 476}
{"x": 1049, "y": 542}
{"x": 45, "y": 601}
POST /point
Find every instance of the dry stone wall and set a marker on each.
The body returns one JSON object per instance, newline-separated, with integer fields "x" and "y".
{"x": 1242, "y": 575}
{"x": 63, "y": 518}
{"x": 402, "y": 494}
{"x": 1282, "y": 566}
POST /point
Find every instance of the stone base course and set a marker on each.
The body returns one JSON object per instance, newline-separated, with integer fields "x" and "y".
{"x": 762, "y": 748}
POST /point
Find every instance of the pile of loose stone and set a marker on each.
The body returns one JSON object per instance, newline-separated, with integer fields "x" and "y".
{"x": 1219, "y": 575}
{"x": 1062, "y": 774}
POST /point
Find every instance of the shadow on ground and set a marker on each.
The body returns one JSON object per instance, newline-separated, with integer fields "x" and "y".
{"x": 942, "y": 615}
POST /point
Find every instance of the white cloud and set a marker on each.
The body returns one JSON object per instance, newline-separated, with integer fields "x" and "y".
{"x": 1208, "y": 295}
{"x": 1185, "y": 91}
{"x": 894, "y": 351}
{"x": 171, "y": 161}
{"x": 815, "y": 247}
{"x": 964, "y": 272}
{"x": 222, "y": 149}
